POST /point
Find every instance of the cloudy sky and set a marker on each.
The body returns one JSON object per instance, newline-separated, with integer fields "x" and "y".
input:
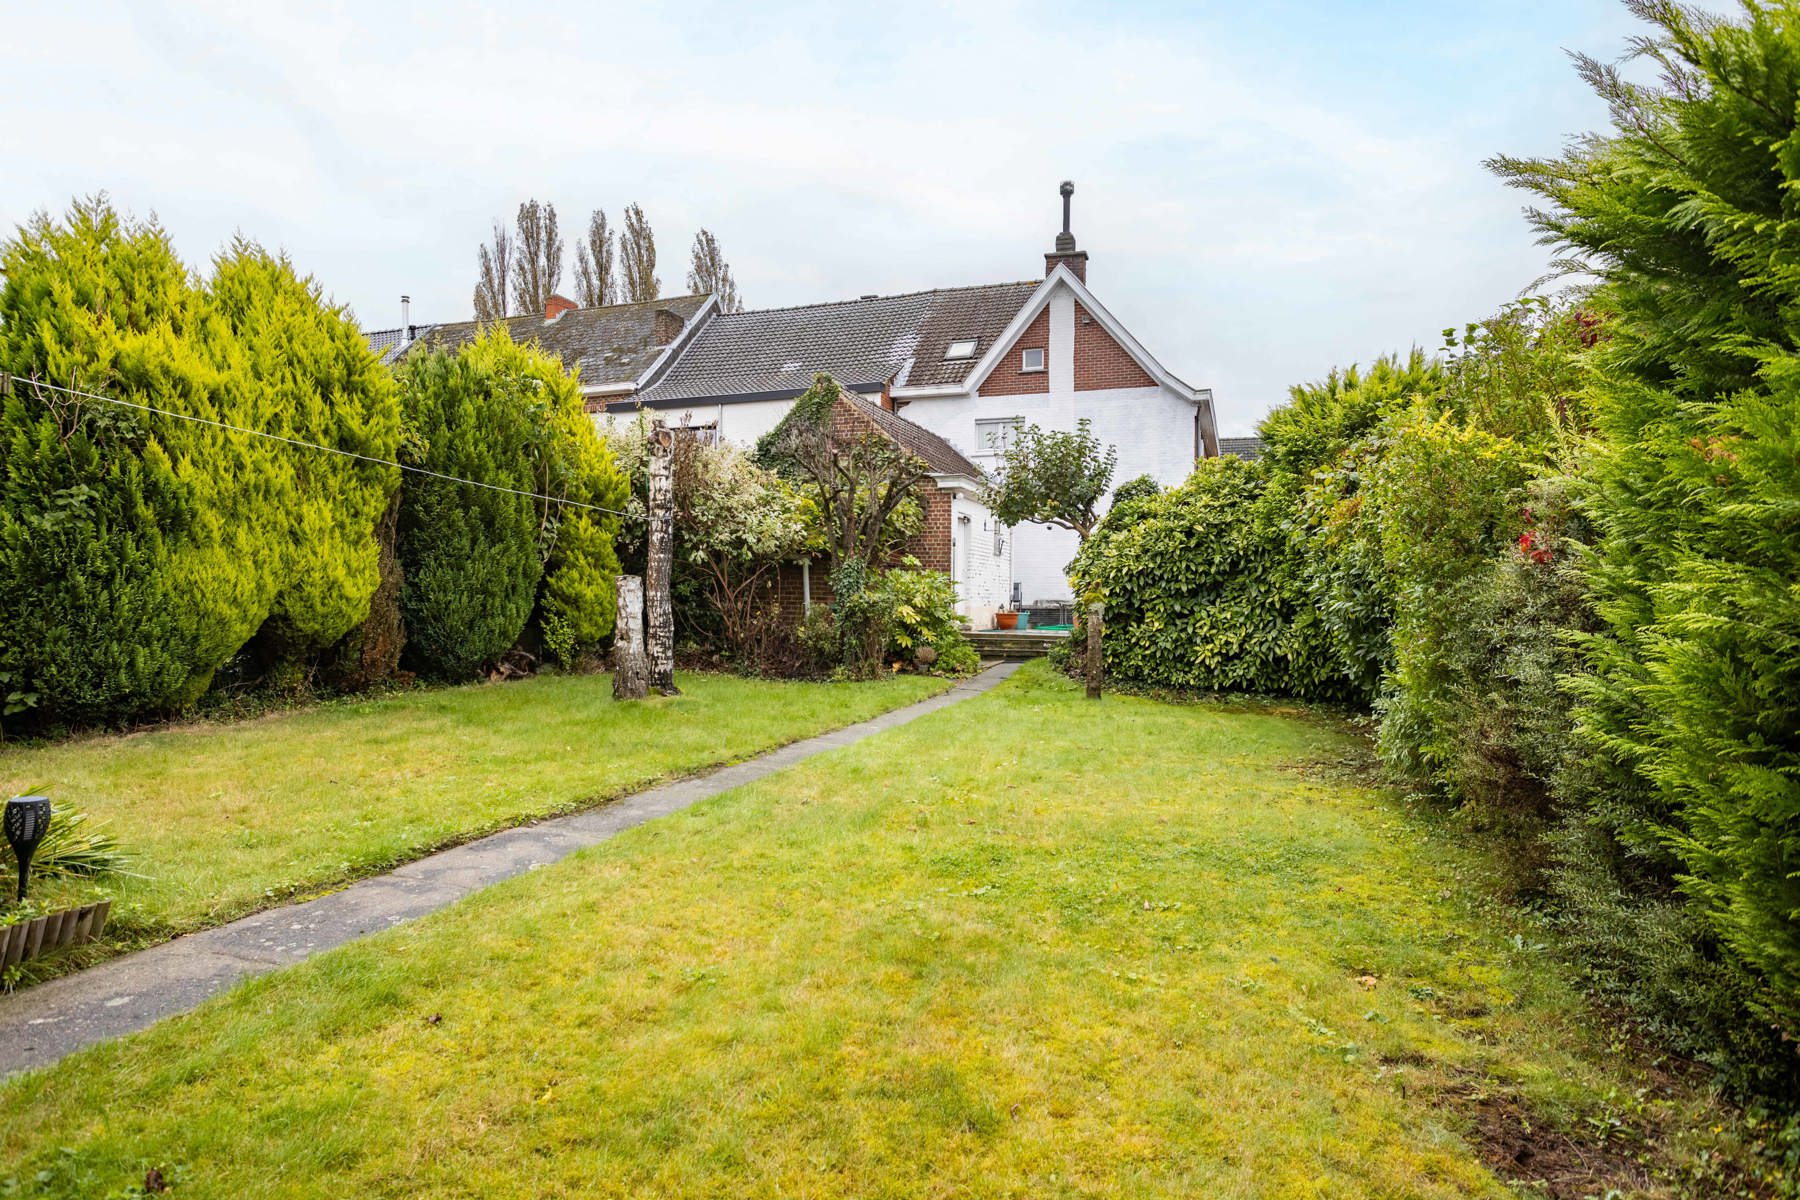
{"x": 1265, "y": 189}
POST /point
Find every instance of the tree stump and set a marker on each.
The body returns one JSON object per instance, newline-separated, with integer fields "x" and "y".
{"x": 659, "y": 609}
{"x": 631, "y": 670}
{"x": 1096, "y": 664}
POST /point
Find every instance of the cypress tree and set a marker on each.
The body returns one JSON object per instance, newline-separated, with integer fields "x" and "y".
{"x": 504, "y": 414}
{"x": 112, "y": 562}
{"x": 304, "y": 371}
{"x": 1689, "y": 211}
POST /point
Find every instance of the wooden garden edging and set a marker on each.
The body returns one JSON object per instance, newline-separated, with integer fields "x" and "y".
{"x": 40, "y": 935}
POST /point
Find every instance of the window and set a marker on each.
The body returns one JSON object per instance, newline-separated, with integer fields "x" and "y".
{"x": 991, "y": 437}
{"x": 961, "y": 348}
{"x": 1032, "y": 359}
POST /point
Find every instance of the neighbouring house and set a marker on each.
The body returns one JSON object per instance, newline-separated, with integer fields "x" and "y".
{"x": 1247, "y": 448}
{"x": 614, "y": 349}
{"x": 965, "y": 365}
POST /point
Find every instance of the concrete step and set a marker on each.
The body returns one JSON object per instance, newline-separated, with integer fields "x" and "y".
{"x": 1015, "y": 644}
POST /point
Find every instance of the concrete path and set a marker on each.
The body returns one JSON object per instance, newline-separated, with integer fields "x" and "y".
{"x": 40, "y": 1025}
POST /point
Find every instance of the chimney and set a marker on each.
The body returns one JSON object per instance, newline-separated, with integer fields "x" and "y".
{"x": 668, "y": 327}
{"x": 405, "y": 320}
{"x": 555, "y": 306}
{"x": 1065, "y": 254}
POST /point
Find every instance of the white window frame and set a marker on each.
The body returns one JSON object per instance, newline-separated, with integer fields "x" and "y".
{"x": 985, "y": 430}
{"x": 952, "y": 355}
{"x": 1025, "y": 367}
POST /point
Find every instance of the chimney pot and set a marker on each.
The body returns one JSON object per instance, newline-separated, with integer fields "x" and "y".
{"x": 1065, "y": 254}
{"x": 555, "y": 306}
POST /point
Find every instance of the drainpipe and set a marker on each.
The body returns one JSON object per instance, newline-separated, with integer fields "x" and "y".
{"x": 806, "y": 586}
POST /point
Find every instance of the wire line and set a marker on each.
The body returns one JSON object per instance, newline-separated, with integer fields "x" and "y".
{"x": 276, "y": 437}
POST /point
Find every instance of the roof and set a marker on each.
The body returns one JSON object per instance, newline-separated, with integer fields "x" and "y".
{"x": 384, "y": 342}
{"x": 862, "y": 343}
{"x": 937, "y": 454}
{"x": 614, "y": 343}
{"x": 1247, "y": 448}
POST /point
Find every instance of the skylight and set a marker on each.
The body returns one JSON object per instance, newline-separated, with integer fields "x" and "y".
{"x": 961, "y": 348}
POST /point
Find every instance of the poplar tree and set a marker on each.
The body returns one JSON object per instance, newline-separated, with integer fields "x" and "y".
{"x": 494, "y": 265}
{"x": 537, "y": 257}
{"x": 637, "y": 259}
{"x": 710, "y": 273}
{"x": 596, "y": 279}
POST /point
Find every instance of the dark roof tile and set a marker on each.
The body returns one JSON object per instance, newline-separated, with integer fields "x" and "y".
{"x": 612, "y": 344}
{"x": 862, "y": 343}
{"x": 939, "y": 455}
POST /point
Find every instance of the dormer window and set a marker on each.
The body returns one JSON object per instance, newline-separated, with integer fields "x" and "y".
{"x": 961, "y": 348}
{"x": 1032, "y": 359}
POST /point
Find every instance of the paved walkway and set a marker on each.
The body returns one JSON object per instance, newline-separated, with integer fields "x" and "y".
{"x": 40, "y": 1025}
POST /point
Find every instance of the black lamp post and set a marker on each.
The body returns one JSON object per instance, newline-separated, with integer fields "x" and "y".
{"x": 27, "y": 821}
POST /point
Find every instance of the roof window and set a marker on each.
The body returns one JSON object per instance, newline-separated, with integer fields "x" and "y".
{"x": 961, "y": 348}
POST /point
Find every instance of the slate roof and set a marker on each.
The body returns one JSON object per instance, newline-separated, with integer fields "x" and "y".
{"x": 773, "y": 353}
{"x": 939, "y": 455}
{"x": 1247, "y": 448}
{"x": 611, "y": 344}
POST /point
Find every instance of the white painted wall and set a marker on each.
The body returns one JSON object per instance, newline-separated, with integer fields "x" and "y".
{"x": 742, "y": 423}
{"x": 983, "y": 575}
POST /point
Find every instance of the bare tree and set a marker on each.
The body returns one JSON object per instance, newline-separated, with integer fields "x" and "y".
{"x": 494, "y": 261}
{"x": 595, "y": 280}
{"x": 711, "y": 273}
{"x": 637, "y": 259}
{"x": 537, "y": 265}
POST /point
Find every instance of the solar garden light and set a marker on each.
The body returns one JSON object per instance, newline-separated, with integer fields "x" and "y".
{"x": 27, "y": 821}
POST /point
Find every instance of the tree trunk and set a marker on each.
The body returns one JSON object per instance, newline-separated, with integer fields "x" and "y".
{"x": 1096, "y": 663}
{"x": 631, "y": 671}
{"x": 659, "y": 609}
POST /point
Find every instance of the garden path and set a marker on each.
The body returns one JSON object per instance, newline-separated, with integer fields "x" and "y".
{"x": 40, "y": 1025}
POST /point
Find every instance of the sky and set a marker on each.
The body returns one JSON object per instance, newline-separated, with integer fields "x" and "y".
{"x": 1265, "y": 190}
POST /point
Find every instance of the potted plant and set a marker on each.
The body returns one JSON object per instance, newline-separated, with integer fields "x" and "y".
{"x": 1006, "y": 618}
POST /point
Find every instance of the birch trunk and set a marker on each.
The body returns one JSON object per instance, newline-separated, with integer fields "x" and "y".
{"x": 631, "y": 671}
{"x": 659, "y": 610}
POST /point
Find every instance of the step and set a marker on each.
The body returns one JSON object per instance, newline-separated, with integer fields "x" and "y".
{"x": 1015, "y": 643}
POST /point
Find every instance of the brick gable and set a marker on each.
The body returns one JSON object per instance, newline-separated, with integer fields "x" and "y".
{"x": 1007, "y": 379}
{"x": 1100, "y": 362}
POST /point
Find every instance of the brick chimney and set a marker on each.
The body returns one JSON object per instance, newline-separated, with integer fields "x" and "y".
{"x": 668, "y": 327}
{"x": 1065, "y": 254}
{"x": 555, "y": 306}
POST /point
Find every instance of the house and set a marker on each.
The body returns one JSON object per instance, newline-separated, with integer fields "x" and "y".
{"x": 614, "y": 349}
{"x": 967, "y": 365}
{"x": 970, "y": 364}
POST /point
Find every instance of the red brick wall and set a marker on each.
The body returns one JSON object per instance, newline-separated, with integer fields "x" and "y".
{"x": 931, "y": 546}
{"x": 668, "y": 326}
{"x": 1007, "y": 379}
{"x": 1100, "y": 362}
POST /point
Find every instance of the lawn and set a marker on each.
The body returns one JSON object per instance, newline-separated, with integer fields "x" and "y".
{"x": 1027, "y": 946}
{"x": 223, "y": 819}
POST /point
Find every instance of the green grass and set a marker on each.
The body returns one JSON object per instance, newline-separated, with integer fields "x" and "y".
{"x": 1028, "y": 946}
{"x": 223, "y": 819}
